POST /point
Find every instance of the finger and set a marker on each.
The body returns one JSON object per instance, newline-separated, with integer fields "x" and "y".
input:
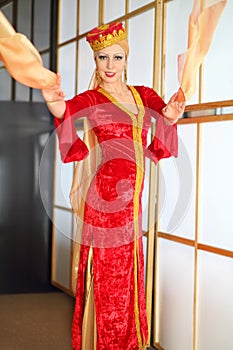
{"x": 173, "y": 97}
{"x": 182, "y": 105}
{"x": 179, "y": 104}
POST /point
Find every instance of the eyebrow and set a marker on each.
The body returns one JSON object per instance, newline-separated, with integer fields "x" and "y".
{"x": 117, "y": 53}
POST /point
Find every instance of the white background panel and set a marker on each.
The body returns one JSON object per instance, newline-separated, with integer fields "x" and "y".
{"x": 86, "y": 65}
{"x": 177, "y": 188}
{"x": 67, "y": 68}
{"x": 141, "y": 41}
{"x": 215, "y": 302}
{"x": 175, "y": 288}
{"x": 135, "y": 4}
{"x": 218, "y": 73}
{"x": 62, "y": 246}
{"x": 63, "y": 181}
{"x": 88, "y": 16}
{"x": 68, "y": 20}
{"x": 113, "y": 9}
{"x": 178, "y": 12}
{"x": 216, "y": 202}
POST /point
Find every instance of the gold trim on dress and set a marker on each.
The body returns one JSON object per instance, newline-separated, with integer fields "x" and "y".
{"x": 137, "y": 122}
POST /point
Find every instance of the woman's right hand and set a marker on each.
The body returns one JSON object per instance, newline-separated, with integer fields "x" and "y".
{"x": 54, "y": 98}
{"x": 54, "y": 93}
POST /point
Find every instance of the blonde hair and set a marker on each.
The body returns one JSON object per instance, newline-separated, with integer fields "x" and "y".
{"x": 125, "y": 46}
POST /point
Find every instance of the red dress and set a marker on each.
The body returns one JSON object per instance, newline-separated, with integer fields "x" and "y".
{"x": 112, "y": 216}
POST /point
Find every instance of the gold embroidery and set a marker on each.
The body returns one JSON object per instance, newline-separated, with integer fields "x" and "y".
{"x": 137, "y": 137}
{"x": 137, "y": 125}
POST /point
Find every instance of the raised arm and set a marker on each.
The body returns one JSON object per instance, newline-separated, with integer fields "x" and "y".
{"x": 54, "y": 98}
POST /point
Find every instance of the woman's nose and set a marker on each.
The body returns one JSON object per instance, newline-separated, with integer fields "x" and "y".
{"x": 110, "y": 63}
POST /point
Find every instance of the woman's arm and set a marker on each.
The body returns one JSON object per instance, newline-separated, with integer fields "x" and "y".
{"x": 165, "y": 141}
{"x": 54, "y": 98}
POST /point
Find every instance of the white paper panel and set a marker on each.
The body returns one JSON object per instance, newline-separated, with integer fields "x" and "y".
{"x": 67, "y": 68}
{"x": 218, "y": 73}
{"x": 177, "y": 188}
{"x": 144, "y": 241}
{"x": 5, "y": 89}
{"x": 175, "y": 287}
{"x": 24, "y": 8}
{"x": 62, "y": 246}
{"x": 135, "y": 4}
{"x": 88, "y": 16}
{"x": 63, "y": 181}
{"x": 86, "y": 65}
{"x": 216, "y": 226}
{"x": 215, "y": 303}
{"x": 113, "y": 9}
{"x": 7, "y": 10}
{"x": 68, "y": 20}
{"x": 178, "y": 12}
{"x": 41, "y": 24}
{"x": 141, "y": 40}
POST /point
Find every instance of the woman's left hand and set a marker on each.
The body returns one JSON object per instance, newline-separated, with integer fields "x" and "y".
{"x": 174, "y": 109}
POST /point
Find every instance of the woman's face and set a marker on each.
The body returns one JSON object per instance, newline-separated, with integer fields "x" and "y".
{"x": 110, "y": 63}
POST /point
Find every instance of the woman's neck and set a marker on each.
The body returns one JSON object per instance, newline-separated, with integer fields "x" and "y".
{"x": 117, "y": 87}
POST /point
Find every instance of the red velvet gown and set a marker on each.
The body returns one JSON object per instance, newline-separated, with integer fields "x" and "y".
{"x": 112, "y": 215}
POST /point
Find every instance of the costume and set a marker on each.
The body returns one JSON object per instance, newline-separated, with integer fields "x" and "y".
{"x": 112, "y": 216}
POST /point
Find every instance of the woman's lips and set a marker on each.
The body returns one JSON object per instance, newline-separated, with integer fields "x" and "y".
{"x": 110, "y": 74}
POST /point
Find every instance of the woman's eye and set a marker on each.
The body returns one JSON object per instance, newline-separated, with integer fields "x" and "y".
{"x": 102, "y": 57}
{"x": 118, "y": 58}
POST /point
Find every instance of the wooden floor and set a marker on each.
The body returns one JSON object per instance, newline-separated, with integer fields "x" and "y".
{"x": 36, "y": 321}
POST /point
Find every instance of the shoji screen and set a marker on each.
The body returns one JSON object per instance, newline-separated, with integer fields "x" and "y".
{"x": 194, "y": 261}
{"x": 194, "y": 245}
{"x": 215, "y": 81}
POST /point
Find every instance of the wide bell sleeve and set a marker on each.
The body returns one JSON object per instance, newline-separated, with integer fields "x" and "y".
{"x": 71, "y": 147}
{"x": 165, "y": 140}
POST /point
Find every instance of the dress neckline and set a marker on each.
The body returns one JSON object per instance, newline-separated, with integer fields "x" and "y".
{"x": 136, "y": 96}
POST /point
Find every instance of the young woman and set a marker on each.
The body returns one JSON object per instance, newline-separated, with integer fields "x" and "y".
{"x": 110, "y": 271}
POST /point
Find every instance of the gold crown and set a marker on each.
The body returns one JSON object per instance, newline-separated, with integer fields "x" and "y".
{"x": 106, "y": 35}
